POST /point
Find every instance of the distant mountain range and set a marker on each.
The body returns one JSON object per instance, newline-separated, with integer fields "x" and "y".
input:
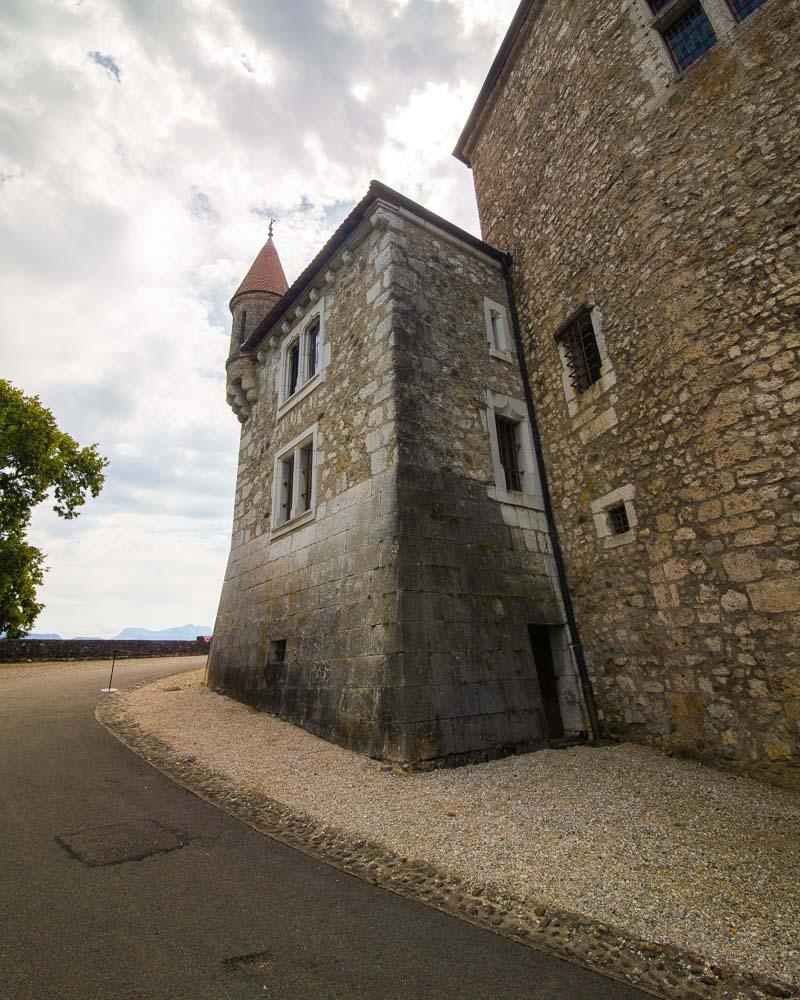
{"x": 179, "y": 632}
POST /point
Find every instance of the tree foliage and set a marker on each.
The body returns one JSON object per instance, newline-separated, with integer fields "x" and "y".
{"x": 36, "y": 459}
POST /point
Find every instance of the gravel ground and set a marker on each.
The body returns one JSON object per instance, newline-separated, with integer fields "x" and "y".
{"x": 671, "y": 851}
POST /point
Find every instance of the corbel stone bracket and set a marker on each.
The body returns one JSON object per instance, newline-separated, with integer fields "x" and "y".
{"x": 242, "y": 385}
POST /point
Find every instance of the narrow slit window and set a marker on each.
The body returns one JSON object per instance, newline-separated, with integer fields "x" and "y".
{"x": 312, "y": 350}
{"x": 690, "y": 37}
{"x": 242, "y": 325}
{"x": 306, "y": 477}
{"x": 584, "y": 363}
{"x": 292, "y": 369}
{"x": 287, "y": 489}
{"x": 618, "y": 520}
{"x": 508, "y": 444}
{"x": 743, "y": 8}
{"x": 276, "y": 656}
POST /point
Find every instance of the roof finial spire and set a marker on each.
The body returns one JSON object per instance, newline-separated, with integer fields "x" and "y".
{"x": 271, "y": 224}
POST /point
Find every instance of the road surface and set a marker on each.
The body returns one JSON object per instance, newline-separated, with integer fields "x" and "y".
{"x": 220, "y": 911}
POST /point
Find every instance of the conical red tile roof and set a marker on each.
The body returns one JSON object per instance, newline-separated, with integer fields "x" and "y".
{"x": 266, "y": 273}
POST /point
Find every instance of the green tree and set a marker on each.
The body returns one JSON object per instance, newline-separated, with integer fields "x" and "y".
{"x": 35, "y": 459}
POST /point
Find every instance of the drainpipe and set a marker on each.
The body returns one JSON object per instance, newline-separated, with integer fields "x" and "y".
{"x": 569, "y": 610}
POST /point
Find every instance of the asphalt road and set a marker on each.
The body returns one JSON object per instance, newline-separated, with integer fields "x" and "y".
{"x": 230, "y": 913}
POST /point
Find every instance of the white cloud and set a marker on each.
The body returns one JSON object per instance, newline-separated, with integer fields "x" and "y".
{"x": 143, "y": 146}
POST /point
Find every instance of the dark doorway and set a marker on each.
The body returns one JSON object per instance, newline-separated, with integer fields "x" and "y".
{"x": 545, "y": 671}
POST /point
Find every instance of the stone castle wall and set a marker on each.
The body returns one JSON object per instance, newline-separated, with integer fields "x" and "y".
{"x": 671, "y": 206}
{"x": 474, "y": 572}
{"x": 329, "y": 587}
{"x": 405, "y": 601}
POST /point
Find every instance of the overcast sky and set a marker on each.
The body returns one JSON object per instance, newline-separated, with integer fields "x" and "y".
{"x": 143, "y": 146}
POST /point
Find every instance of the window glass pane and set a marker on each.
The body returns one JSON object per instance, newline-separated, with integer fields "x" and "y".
{"x": 508, "y": 444}
{"x": 657, "y": 5}
{"x": 292, "y": 369}
{"x": 745, "y": 7}
{"x": 306, "y": 473}
{"x": 287, "y": 487}
{"x": 242, "y": 325}
{"x": 312, "y": 350}
{"x": 498, "y": 339}
{"x": 690, "y": 36}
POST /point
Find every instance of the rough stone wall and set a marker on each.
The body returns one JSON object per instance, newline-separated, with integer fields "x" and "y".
{"x": 328, "y": 587}
{"x": 474, "y": 572}
{"x": 41, "y": 650}
{"x": 405, "y": 601}
{"x": 671, "y": 205}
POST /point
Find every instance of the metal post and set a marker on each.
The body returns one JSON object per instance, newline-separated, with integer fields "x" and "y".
{"x": 109, "y": 689}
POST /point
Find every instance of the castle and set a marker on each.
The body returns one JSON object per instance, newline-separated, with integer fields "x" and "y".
{"x": 498, "y": 493}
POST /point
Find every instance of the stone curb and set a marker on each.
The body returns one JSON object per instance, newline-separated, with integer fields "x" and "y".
{"x": 658, "y": 969}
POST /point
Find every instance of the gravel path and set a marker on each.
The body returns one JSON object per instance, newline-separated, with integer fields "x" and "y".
{"x": 672, "y": 851}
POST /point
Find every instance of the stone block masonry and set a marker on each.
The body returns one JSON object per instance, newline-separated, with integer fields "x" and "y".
{"x": 669, "y": 204}
{"x": 393, "y": 617}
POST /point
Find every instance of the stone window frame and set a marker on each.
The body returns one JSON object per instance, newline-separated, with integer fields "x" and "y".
{"x": 608, "y": 378}
{"x": 310, "y": 434}
{"x": 297, "y": 335}
{"x": 623, "y": 495}
{"x": 500, "y": 404}
{"x": 659, "y": 66}
{"x": 506, "y": 352}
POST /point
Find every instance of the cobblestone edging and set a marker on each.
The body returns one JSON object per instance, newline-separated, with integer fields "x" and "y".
{"x": 658, "y": 969}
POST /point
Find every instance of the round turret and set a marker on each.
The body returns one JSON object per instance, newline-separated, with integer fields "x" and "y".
{"x": 263, "y": 285}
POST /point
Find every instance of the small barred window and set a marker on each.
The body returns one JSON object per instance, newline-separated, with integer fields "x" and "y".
{"x": 583, "y": 355}
{"x": 743, "y": 8}
{"x": 690, "y": 36}
{"x": 618, "y": 520}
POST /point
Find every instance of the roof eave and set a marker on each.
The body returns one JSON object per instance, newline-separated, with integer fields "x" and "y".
{"x": 377, "y": 192}
{"x": 495, "y": 72}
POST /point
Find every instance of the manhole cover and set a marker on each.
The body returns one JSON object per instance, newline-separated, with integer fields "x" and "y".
{"x": 112, "y": 845}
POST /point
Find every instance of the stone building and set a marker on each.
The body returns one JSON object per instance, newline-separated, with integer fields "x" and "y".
{"x": 391, "y": 584}
{"x": 641, "y": 162}
{"x": 430, "y": 422}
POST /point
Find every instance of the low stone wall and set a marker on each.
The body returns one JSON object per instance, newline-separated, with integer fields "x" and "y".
{"x": 27, "y": 650}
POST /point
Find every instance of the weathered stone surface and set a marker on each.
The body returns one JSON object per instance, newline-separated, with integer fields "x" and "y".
{"x": 405, "y": 600}
{"x": 671, "y": 205}
{"x": 776, "y": 596}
